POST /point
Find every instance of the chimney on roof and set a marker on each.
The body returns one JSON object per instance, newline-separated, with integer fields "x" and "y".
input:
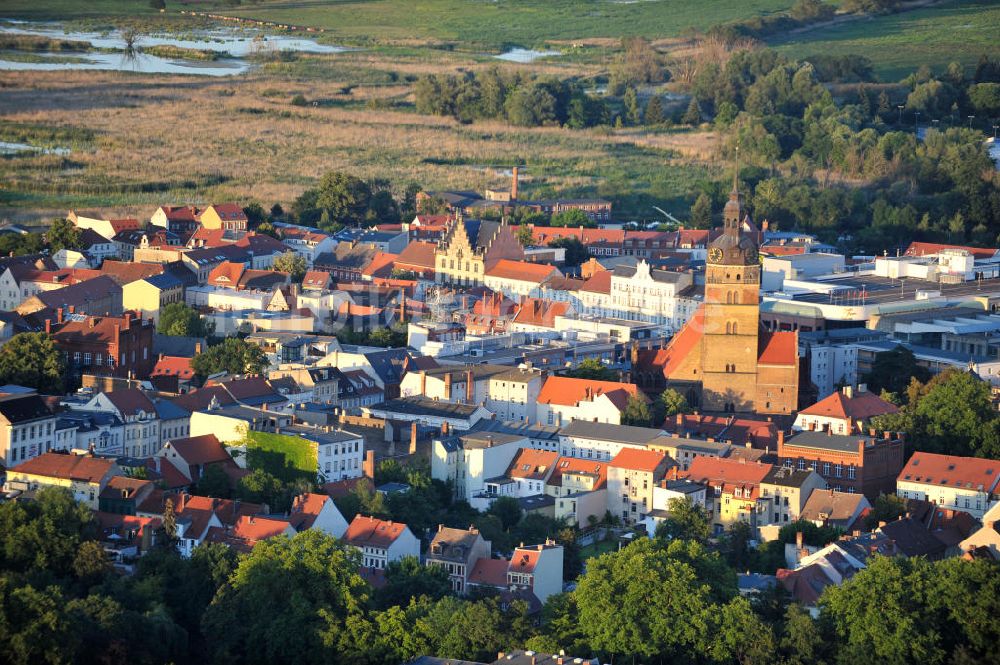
{"x": 90, "y": 322}
{"x": 444, "y": 428}
{"x": 447, "y": 385}
{"x": 197, "y": 348}
{"x": 886, "y": 435}
{"x": 48, "y": 326}
{"x": 513, "y": 183}
{"x": 368, "y": 468}
{"x": 470, "y": 387}
{"x": 848, "y": 392}
{"x": 781, "y": 438}
{"x": 798, "y": 540}
{"x": 127, "y": 317}
{"x": 413, "y": 437}
{"x": 59, "y": 315}
{"x": 72, "y": 309}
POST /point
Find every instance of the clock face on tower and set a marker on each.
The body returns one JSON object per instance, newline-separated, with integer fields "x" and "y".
{"x": 715, "y": 255}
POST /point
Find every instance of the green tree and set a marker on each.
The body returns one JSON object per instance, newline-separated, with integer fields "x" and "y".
{"x": 985, "y": 99}
{"x": 801, "y": 641}
{"x": 573, "y": 218}
{"x": 508, "y": 510}
{"x": 169, "y": 522}
{"x": 701, "y": 212}
{"x": 673, "y": 402}
{"x": 692, "y": 116}
{"x": 742, "y": 637}
{"x": 293, "y": 263}
{"x": 256, "y": 215}
{"x": 33, "y": 360}
{"x": 63, "y": 235}
{"x": 268, "y": 229}
{"x": 615, "y": 594}
{"x": 882, "y": 613}
{"x": 687, "y": 521}
{"x": 292, "y": 596}
{"x": 91, "y": 561}
{"x": 956, "y": 416}
{"x": 892, "y": 371}
{"x": 213, "y": 482}
{"x": 44, "y": 535}
{"x": 885, "y": 508}
{"x": 525, "y": 236}
{"x": 233, "y": 355}
{"x": 181, "y": 320}
{"x": 654, "y": 112}
{"x": 637, "y": 412}
{"x": 576, "y": 251}
{"x": 407, "y": 579}
{"x": 630, "y": 102}
{"x": 593, "y": 370}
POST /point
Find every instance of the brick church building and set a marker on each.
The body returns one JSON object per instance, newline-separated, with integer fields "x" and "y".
{"x": 722, "y": 360}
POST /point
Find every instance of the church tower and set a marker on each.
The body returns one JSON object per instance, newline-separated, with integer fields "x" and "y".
{"x": 732, "y": 316}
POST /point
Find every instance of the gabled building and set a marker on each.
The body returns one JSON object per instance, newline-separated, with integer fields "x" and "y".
{"x": 845, "y": 412}
{"x": 970, "y": 484}
{"x": 457, "y": 550}
{"x": 228, "y": 216}
{"x": 84, "y": 476}
{"x": 381, "y": 542}
{"x": 193, "y": 455}
{"x": 181, "y": 220}
{"x": 515, "y": 279}
{"x": 632, "y": 478}
{"x": 789, "y": 490}
{"x": 247, "y": 531}
{"x": 468, "y": 248}
{"x": 842, "y": 510}
{"x": 27, "y": 428}
{"x": 861, "y": 464}
{"x": 564, "y": 399}
{"x": 317, "y": 511}
{"x": 734, "y": 491}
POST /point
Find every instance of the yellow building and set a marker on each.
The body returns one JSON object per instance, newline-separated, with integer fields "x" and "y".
{"x": 152, "y": 294}
{"x": 83, "y": 475}
{"x": 228, "y": 216}
{"x": 468, "y": 249}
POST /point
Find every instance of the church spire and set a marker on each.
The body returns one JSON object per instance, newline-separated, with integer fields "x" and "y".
{"x": 732, "y": 214}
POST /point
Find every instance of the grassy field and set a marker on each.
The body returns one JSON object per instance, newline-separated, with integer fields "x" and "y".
{"x": 285, "y": 457}
{"x": 242, "y": 139}
{"x": 486, "y": 23}
{"x": 957, "y": 30}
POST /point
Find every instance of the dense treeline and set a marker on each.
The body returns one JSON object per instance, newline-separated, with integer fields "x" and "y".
{"x": 512, "y": 96}
{"x": 848, "y": 169}
{"x": 301, "y": 599}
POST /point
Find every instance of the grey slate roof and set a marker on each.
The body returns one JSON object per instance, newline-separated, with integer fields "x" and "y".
{"x": 608, "y": 432}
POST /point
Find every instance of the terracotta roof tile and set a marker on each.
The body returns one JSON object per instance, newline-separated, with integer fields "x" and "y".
{"x": 489, "y": 572}
{"x": 204, "y": 449}
{"x": 579, "y": 465}
{"x": 951, "y": 471}
{"x": 73, "y": 467}
{"x": 778, "y": 348}
{"x": 569, "y": 391}
{"x": 372, "y": 532}
{"x": 861, "y": 406}
{"x": 380, "y": 265}
{"x": 521, "y": 270}
{"x": 178, "y": 366}
{"x": 417, "y": 255}
{"x": 925, "y": 248}
{"x": 640, "y": 460}
{"x": 532, "y": 464}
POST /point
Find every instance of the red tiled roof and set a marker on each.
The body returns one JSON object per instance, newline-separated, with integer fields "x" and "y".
{"x": 372, "y": 532}
{"x": 778, "y": 348}
{"x": 124, "y": 272}
{"x": 725, "y": 473}
{"x": 925, "y": 248}
{"x": 639, "y": 460}
{"x": 71, "y": 467}
{"x": 130, "y": 401}
{"x": 178, "y": 366}
{"x": 228, "y": 210}
{"x": 380, "y": 265}
{"x": 569, "y": 391}
{"x": 951, "y": 471}
{"x": 600, "y": 282}
{"x": 198, "y": 400}
{"x": 305, "y": 509}
{"x": 521, "y": 270}
{"x": 532, "y": 464}
{"x": 203, "y": 237}
{"x": 682, "y": 344}
{"x": 316, "y": 279}
{"x": 762, "y": 433}
{"x": 101, "y": 332}
{"x": 524, "y": 560}
{"x": 167, "y": 473}
{"x": 489, "y": 572}
{"x": 226, "y": 274}
{"x": 204, "y": 449}
{"x": 579, "y": 465}
{"x": 247, "y": 532}
{"x": 417, "y": 255}
{"x": 540, "y": 312}
{"x": 179, "y": 213}
{"x": 119, "y": 527}
{"x": 861, "y": 406}
{"x": 124, "y": 224}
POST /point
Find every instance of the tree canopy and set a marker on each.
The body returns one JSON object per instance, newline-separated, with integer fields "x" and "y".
{"x": 181, "y": 320}
{"x": 33, "y": 360}
{"x": 233, "y": 355}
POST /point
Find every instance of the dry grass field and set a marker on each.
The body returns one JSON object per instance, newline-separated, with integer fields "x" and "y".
{"x": 138, "y": 140}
